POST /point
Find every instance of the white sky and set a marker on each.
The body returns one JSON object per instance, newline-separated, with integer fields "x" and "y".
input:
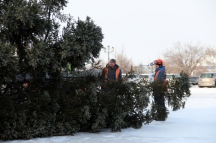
{"x": 147, "y": 28}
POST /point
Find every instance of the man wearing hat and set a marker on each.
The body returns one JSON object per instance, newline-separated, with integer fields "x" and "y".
{"x": 112, "y": 71}
{"x": 160, "y": 84}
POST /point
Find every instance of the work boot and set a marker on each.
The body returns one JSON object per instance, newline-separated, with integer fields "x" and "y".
{"x": 162, "y": 114}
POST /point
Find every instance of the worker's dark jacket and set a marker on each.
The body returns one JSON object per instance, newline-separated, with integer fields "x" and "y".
{"x": 109, "y": 73}
{"x": 160, "y": 84}
{"x": 160, "y": 74}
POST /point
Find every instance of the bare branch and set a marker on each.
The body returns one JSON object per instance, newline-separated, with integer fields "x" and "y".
{"x": 187, "y": 58}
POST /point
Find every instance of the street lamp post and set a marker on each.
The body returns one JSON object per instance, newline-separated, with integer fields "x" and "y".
{"x": 108, "y": 50}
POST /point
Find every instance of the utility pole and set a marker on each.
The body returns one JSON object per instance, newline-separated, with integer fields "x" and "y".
{"x": 108, "y": 50}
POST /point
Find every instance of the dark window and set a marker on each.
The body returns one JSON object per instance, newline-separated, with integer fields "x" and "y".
{"x": 210, "y": 75}
{"x": 144, "y": 76}
{"x": 169, "y": 76}
{"x": 194, "y": 78}
{"x": 203, "y": 75}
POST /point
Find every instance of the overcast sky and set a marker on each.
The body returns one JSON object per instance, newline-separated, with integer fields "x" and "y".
{"x": 147, "y": 28}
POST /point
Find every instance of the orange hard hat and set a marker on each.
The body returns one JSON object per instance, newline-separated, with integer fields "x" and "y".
{"x": 159, "y": 62}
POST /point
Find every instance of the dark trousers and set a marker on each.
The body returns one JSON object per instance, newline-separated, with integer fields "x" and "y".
{"x": 161, "y": 111}
{"x": 159, "y": 99}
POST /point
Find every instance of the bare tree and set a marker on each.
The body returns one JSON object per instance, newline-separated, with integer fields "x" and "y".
{"x": 187, "y": 58}
{"x": 210, "y": 59}
{"x": 199, "y": 70}
{"x": 123, "y": 61}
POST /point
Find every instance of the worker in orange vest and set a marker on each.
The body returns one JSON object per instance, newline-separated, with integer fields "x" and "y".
{"x": 160, "y": 84}
{"x": 112, "y": 71}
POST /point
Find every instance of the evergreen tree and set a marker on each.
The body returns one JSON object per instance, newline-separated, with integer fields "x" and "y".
{"x": 34, "y": 49}
{"x": 32, "y": 29}
{"x": 37, "y": 101}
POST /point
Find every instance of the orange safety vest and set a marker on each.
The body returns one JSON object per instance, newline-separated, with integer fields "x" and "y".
{"x": 118, "y": 70}
{"x": 156, "y": 76}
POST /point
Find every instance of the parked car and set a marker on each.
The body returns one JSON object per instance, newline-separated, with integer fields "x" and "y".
{"x": 147, "y": 77}
{"x": 134, "y": 78}
{"x": 131, "y": 77}
{"x": 171, "y": 76}
{"x": 194, "y": 80}
{"x": 124, "y": 75}
{"x": 207, "y": 79}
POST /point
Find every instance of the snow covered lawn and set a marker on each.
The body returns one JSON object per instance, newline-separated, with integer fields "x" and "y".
{"x": 194, "y": 124}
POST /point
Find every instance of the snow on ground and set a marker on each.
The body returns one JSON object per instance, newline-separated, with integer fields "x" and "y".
{"x": 194, "y": 124}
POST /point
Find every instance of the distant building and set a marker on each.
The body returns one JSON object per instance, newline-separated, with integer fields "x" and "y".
{"x": 143, "y": 69}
